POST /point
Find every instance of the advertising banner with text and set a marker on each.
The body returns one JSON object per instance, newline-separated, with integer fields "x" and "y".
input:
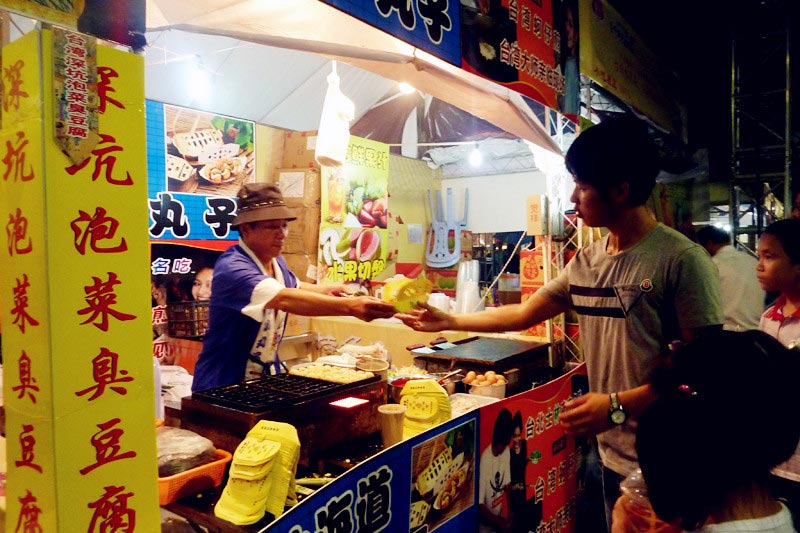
{"x": 615, "y": 57}
{"x": 79, "y": 391}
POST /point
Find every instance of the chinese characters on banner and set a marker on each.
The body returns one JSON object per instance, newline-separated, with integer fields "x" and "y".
{"x": 355, "y": 212}
{"x": 431, "y": 25}
{"x": 75, "y": 82}
{"x": 529, "y": 46}
{"x": 535, "y": 476}
{"x": 78, "y": 379}
{"x": 436, "y": 480}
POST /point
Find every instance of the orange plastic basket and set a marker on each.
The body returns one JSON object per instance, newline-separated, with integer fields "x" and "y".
{"x": 194, "y": 480}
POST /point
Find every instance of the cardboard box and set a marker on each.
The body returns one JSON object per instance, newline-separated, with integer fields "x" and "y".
{"x": 303, "y": 235}
{"x": 300, "y": 187}
{"x": 299, "y": 148}
{"x": 303, "y": 265}
{"x": 531, "y": 267}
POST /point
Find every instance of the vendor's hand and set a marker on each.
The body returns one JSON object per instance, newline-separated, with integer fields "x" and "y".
{"x": 369, "y": 308}
{"x": 586, "y": 416}
{"x": 425, "y": 318}
{"x": 337, "y": 290}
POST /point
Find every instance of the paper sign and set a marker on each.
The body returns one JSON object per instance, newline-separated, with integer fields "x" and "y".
{"x": 533, "y": 208}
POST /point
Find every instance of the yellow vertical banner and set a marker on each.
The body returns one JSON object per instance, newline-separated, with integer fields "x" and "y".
{"x": 78, "y": 385}
{"x": 27, "y": 375}
{"x": 353, "y": 240}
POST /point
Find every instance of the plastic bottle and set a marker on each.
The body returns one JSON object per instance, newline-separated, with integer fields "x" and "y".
{"x": 633, "y": 512}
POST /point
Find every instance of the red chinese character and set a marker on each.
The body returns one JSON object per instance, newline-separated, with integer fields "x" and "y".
{"x": 13, "y": 92}
{"x": 76, "y": 51}
{"x": 27, "y": 383}
{"x": 111, "y": 512}
{"x": 100, "y": 297}
{"x": 94, "y": 229}
{"x": 160, "y": 349}
{"x": 14, "y": 160}
{"x": 104, "y": 88}
{"x": 160, "y": 314}
{"x": 21, "y": 316}
{"x": 74, "y": 39}
{"x": 106, "y": 445}
{"x": 77, "y": 62}
{"x": 17, "y": 233}
{"x": 106, "y": 374}
{"x": 103, "y": 162}
{"x": 74, "y": 131}
{"x": 29, "y": 514}
{"x": 26, "y": 442}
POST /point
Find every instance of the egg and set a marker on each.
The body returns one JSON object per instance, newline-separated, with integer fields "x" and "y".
{"x": 470, "y": 377}
{"x": 490, "y": 374}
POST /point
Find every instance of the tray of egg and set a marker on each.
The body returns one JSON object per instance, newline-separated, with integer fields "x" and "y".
{"x": 489, "y": 383}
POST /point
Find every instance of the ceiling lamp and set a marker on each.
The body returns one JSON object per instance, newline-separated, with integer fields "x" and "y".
{"x": 475, "y": 158}
{"x": 405, "y": 88}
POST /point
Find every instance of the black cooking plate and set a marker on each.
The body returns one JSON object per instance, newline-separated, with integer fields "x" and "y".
{"x": 271, "y": 392}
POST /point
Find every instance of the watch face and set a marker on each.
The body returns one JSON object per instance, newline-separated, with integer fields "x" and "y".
{"x": 618, "y": 417}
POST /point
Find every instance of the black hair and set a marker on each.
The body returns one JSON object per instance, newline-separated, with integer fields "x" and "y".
{"x": 787, "y": 231}
{"x": 617, "y": 150}
{"x": 725, "y": 415}
{"x": 713, "y": 234}
{"x": 503, "y": 428}
{"x": 516, "y": 422}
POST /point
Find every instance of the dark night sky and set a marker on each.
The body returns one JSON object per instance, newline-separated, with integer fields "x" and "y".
{"x": 692, "y": 39}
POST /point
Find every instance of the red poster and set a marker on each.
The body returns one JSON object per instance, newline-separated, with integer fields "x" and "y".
{"x": 530, "y": 46}
{"x": 528, "y": 467}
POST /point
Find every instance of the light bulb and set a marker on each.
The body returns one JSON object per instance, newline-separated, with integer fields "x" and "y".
{"x": 475, "y": 158}
{"x": 405, "y": 88}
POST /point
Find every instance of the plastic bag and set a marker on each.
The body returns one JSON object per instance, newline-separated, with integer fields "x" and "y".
{"x": 633, "y": 512}
{"x": 180, "y": 450}
{"x": 334, "y": 126}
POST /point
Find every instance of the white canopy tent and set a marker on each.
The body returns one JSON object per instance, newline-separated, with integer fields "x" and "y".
{"x": 282, "y": 85}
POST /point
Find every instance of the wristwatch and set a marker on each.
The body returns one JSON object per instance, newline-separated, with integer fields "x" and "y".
{"x": 616, "y": 414}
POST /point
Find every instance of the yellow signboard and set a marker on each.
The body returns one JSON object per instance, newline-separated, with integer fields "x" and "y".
{"x": 78, "y": 379}
{"x": 65, "y": 12}
{"x": 614, "y": 56}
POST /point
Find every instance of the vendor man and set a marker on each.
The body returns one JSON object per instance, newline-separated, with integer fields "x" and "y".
{"x": 254, "y": 290}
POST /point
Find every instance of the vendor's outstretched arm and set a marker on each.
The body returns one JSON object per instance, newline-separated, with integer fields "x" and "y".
{"x": 312, "y": 303}
{"x": 512, "y": 317}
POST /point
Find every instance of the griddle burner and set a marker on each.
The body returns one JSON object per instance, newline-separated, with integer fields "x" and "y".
{"x": 271, "y": 392}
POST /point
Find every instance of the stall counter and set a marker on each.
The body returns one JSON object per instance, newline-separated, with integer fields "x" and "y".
{"x": 394, "y": 335}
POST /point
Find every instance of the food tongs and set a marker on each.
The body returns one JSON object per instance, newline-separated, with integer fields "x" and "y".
{"x": 440, "y": 253}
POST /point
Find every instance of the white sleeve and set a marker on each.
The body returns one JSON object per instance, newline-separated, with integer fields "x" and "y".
{"x": 262, "y": 294}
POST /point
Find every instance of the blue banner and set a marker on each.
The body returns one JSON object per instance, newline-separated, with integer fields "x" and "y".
{"x": 430, "y": 25}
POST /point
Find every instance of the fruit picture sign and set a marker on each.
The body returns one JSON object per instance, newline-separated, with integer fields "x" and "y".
{"x": 355, "y": 214}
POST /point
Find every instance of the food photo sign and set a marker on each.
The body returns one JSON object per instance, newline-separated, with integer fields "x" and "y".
{"x": 355, "y": 212}
{"x": 196, "y": 163}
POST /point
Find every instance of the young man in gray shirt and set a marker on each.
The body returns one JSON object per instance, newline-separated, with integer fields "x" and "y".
{"x": 635, "y": 290}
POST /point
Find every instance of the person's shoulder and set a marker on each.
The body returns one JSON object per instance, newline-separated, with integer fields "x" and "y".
{"x": 671, "y": 241}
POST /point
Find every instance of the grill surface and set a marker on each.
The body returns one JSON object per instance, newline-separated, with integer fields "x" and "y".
{"x": 271, "y": 392}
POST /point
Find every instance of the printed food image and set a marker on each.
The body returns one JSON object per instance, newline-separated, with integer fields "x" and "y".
{"x": 487, "y": 50}
{"x": 443, "y": 480}
{"x": 223, "y": 170}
